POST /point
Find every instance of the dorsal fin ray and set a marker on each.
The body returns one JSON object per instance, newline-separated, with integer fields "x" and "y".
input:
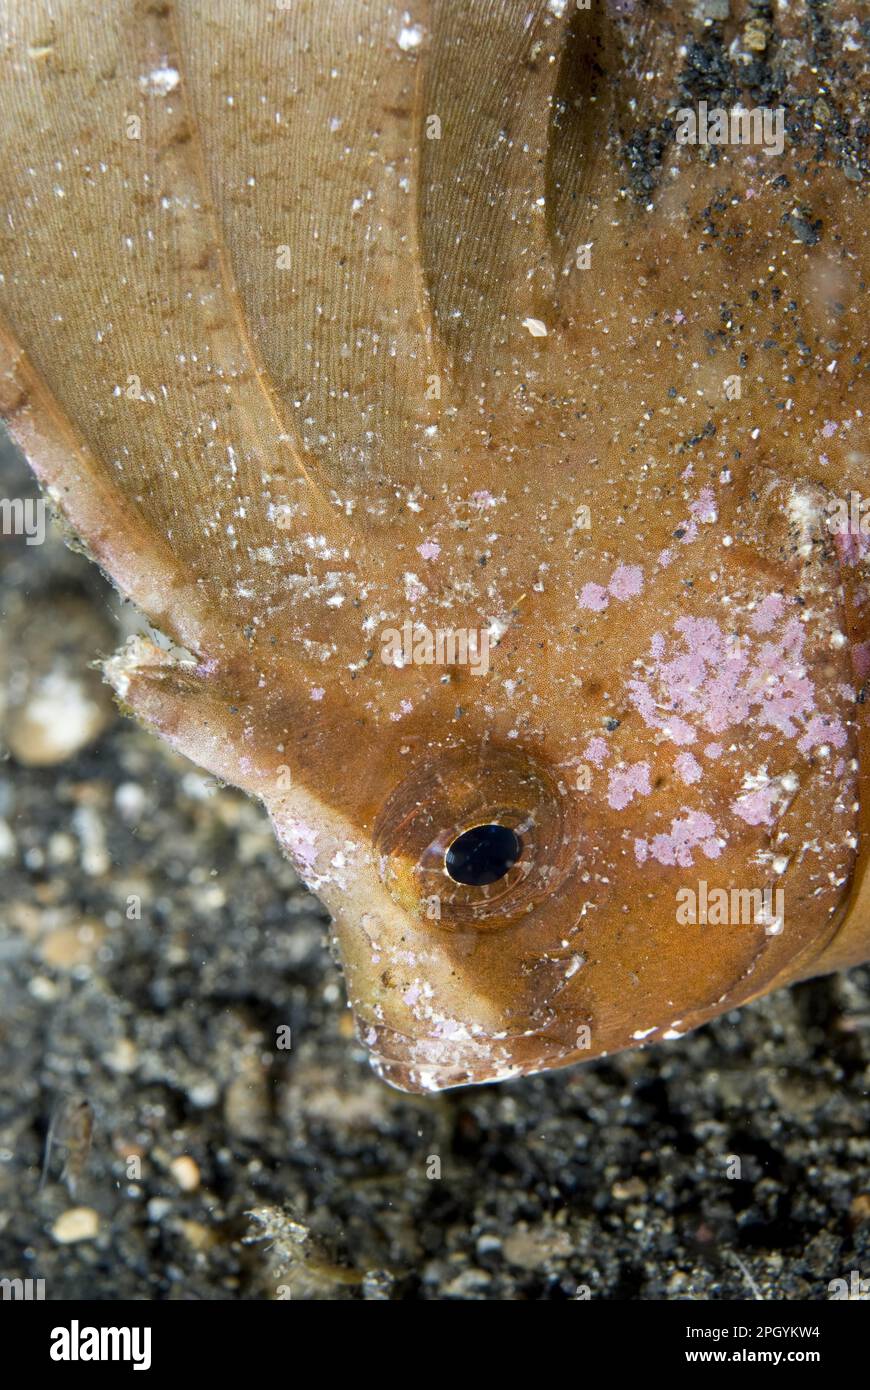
{"x": 133, "y": 343}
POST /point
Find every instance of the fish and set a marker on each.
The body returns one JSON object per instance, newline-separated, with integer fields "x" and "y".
{"x": 470, "y": 397}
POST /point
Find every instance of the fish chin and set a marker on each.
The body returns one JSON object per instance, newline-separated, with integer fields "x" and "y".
{"x": 440, "y": 1063}
{"x": 435, "y": 968}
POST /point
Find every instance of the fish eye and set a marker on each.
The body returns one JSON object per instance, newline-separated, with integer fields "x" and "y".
{"x": 477, "y": 837}
{"x": 483, "y": 854}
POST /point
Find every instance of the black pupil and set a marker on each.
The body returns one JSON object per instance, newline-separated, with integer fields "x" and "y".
{"x": 483, "y": 855}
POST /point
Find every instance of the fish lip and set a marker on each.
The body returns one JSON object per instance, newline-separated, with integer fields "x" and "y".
{"x": 420, "y": 1078}
{"x": 421, "y": 1065}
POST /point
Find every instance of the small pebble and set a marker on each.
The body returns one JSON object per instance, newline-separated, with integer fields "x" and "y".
{"x": 69, "y": 946}
{"x": 130, "y": 800}
{"x": 78, "y": 1223}
{"x": 625, "y": 1191}
{"x": 123, "y": 1057}
{"x": 203, "y": 1094}
{"x": 199, "y": 1237}
{"x": 859, "y": 1211}
{"x": 755, "y": 36}
{"x": 58, "y": 720}
{"x": 43, "y": 989}
{"x": 185, "y": 1172}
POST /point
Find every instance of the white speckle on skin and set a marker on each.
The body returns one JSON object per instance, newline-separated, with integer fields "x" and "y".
{"x": 410, "y": 36}
{"x": 160, "y": 81}
{"x": 415, "y": 589}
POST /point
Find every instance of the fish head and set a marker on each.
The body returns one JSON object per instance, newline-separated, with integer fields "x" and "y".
{"x": 639, "y": 811}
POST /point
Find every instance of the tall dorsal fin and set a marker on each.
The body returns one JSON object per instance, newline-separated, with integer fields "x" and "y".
{"x": 267, "y": 277}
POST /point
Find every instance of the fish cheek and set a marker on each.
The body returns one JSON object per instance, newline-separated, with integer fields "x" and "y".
{"x": 744, "y": 721}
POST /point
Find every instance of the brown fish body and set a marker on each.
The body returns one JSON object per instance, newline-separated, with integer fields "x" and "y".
{"x": 476, "y": 491}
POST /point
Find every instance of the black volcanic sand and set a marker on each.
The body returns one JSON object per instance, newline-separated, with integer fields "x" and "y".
{"x": 301, "y": 1173}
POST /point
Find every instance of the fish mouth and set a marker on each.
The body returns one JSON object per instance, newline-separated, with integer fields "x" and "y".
{"x": 423, "y": 1065}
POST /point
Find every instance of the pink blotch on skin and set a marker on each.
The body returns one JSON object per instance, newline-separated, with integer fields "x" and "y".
{"x": 705, "y": 508}
{"x": 694, "y": 830}
{"x": 483, "y": 499}
{"x": 594, "y": 597}
{"x": 679, "y": 317}
{"x": 665, "y": 558}
{"x": 688, "y": 768}
{"x": 627, "y": 581}
{"x": 405, "y": 707}
{"x": 719, "y": 681}
{"x": 301, "y": 842}
{"x": 768, "y": 612}
{"x": 829, "y": 429}
{"x": 596, "y": 751}
{"x": 317, "y": 692}
{"x": 678, "y": 731}
{"x": 756, "y": 808}
{"x": 714, "y": 750}
{"x": 414, "y": 590}
{"x": 822, "y": 729}
{"x": 626, "y": 783}
{"x": 851, "y": 547}
{"x": 430, "y": 550}
{"x": 675, "y": 728}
